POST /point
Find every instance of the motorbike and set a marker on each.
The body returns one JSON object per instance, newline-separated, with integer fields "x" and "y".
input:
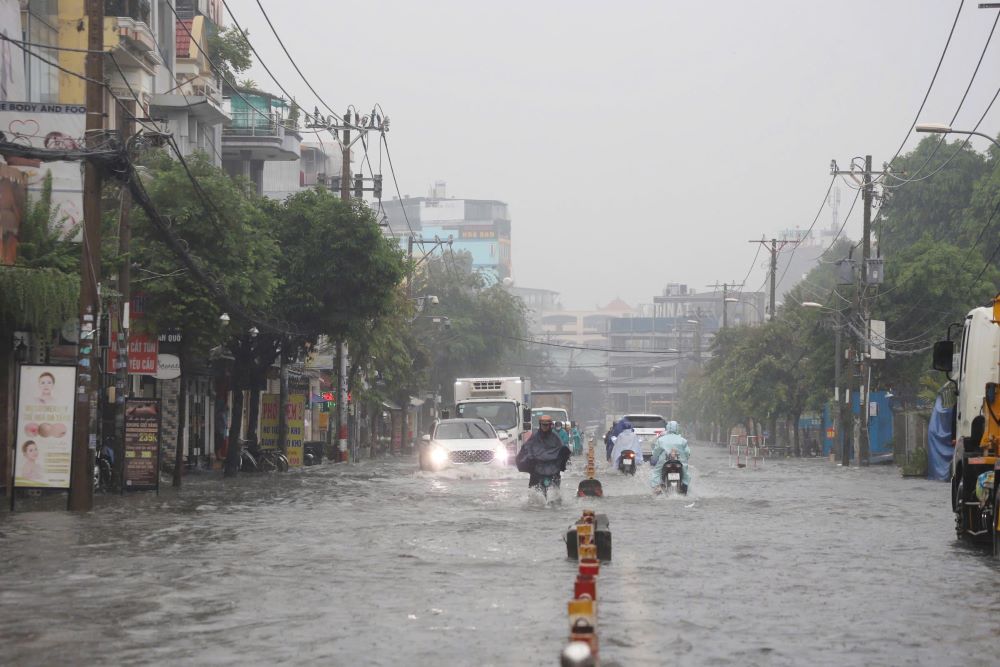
{"x": 103, "y": 469}
{"x": 672, "y": 476}
{"x": 626, "y": 463}
{"x": 545, "y": 482}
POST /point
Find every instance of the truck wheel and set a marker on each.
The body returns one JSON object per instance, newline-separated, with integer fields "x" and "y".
{"x": 961, "y": 515}
{"x": 994, "y": 530}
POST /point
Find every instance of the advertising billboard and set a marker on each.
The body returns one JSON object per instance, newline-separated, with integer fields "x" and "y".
{"x": 53, "y": 126}
{"x": 44, "y": 441}
{"x": 142, "y": 444}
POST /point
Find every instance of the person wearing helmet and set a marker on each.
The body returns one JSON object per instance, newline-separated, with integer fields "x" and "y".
{"x": 626, "y": 439}
{"x": 671, "y": 440}
{"x": 543, "y": 455}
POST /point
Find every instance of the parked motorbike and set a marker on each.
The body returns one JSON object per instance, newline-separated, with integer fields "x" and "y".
{"x": 672, "y": 476}
{"x": 626, "y": 463}
{"x": 103, "y": 467}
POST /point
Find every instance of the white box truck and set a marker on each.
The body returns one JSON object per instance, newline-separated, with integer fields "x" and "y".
{"x": 501, "y": 401}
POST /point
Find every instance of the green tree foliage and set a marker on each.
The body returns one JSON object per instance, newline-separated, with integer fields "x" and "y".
{"x": 45, "y": 239}
{"x": 43, "y": 290}
{"x": 488, "y": 325}
{"x": 231, "y": 241}
{"x": 338, "y": 271}
{"x": 230, "y": 51}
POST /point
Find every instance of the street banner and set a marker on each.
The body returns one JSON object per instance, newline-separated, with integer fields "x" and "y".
{"x": 142, "y": 444}
{"x": 295, "y": 415}
{"x": 268, "y": 431}
{"x": 43, "y": 444}
{"x": 143, "y": 355}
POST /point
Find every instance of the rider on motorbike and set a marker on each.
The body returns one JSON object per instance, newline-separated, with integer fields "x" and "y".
{"x": 612, "y": 435}
{"x": 626, "y": 439}
{"x": 671, "y": 440}
{"x": 543, "y": 455}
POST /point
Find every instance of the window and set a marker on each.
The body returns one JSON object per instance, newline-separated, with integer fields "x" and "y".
{"x": 42, "y": 78}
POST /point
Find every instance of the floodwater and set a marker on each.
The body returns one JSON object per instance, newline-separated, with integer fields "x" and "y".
{"x": 799, "y": 562}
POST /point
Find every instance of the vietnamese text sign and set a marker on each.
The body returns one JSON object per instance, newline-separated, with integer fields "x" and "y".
{"x": 295, "y": 416}
{"x": 143, "y": 355}
{"x": 142, "y": 444}
{"x": 44, "y": 440}
{"x": 269, "y": 421}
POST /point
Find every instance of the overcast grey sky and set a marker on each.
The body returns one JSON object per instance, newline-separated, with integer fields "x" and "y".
{"x": 637, "y": 143}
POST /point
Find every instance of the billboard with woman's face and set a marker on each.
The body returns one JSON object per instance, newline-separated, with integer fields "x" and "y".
{"x": 44, "y": 442}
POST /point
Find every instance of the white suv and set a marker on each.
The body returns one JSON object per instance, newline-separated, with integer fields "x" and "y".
{"x": 648, "y": 428}
{"x": 460, "y": 442}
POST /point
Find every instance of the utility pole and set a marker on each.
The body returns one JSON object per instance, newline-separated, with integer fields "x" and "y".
{"x": 864, "y": 375}
{"x": 345, "y": 194}
{"x": 725, "y": 297}
{"x": 81, "y": 490}
{"x": 776, "y": 247}
{"x": 860, "y": 311}
{"x": 725, "y": 305}
{"x": 374, "y": 121}
{"x": 838, "y": 396}
{"x": 120, "y": 339}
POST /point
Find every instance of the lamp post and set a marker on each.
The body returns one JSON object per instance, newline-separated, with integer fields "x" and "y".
{"x": 943, "y": 128}
{"x": 731, "y": 299}
{"x": 845, "y": 459}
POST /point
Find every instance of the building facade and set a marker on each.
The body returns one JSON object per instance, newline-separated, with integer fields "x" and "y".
{"x": 481, "y": 227}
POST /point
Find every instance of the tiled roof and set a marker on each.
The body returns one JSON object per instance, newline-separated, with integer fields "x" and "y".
{"x": 184, "y": 38}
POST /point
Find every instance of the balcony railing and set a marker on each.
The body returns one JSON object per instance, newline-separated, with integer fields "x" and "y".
{"x": 138, "y": 10}
{"x": 253, "y": 124}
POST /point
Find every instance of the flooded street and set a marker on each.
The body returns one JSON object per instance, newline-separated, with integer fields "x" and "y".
{"x": 376, "y": 564}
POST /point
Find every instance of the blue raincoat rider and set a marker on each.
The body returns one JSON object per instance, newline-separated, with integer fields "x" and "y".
{"x": 616, "y": 430}
{"x": 670, "y": 440}
{"x": 626, "y": 440}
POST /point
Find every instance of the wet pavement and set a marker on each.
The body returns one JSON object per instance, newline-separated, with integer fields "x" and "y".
{"x": 800, "y": 562}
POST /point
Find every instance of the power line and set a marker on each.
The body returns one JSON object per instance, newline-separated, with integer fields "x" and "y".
{"x": 933, "y": 79}
{"x": 961, "y": 103}
{"x": 826, "y": 197}
{"x": 395, "y": 182}
{"x": 292, "y": 60}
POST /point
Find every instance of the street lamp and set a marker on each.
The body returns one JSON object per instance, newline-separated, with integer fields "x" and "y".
{"x": 845, "y": 459}
{"x": 943, "y": 128}
{"x": 748, "y": 303}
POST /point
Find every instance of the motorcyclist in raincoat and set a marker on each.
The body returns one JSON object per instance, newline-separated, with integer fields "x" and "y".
{"x": 577, "y": 438}
{"x": 612, "y": 435}
{"x": 543, "y": 455}
{"x": 627, "y": 439}
{"x": 562, "y": 433}
{"x": 670, "y": 440}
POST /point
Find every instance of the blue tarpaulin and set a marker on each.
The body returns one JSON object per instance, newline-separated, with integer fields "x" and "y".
{"x": 939, "y": 445}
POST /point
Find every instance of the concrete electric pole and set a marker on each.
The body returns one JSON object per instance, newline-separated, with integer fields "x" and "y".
{"x": 81, "y": 485}
{"x": 776, "y": 247}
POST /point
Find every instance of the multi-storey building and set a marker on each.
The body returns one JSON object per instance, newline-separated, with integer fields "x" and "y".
{"x": 480, "y": 227}
{"x": 653, "y": 353}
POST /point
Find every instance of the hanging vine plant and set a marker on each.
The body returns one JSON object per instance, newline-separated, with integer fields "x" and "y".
{"x": 40, "y": 300}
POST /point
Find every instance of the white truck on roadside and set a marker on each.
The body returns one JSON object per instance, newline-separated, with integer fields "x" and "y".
{"x": 501, "y": 401}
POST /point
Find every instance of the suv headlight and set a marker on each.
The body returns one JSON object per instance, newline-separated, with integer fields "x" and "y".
{"x": 438, "y": 455}
{"x": 503, "y": 435}
{"x": 501, "y": 453}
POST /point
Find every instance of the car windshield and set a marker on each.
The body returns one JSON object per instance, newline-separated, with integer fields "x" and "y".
{"x": 464, "y": 431}
{"x": 557, "y": 416}
{"x": 647, "y": 421}
{"x": 500, "y": 414}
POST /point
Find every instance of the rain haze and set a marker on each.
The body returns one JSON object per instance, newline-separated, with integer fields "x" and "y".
{"x": 650, "y": 139}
